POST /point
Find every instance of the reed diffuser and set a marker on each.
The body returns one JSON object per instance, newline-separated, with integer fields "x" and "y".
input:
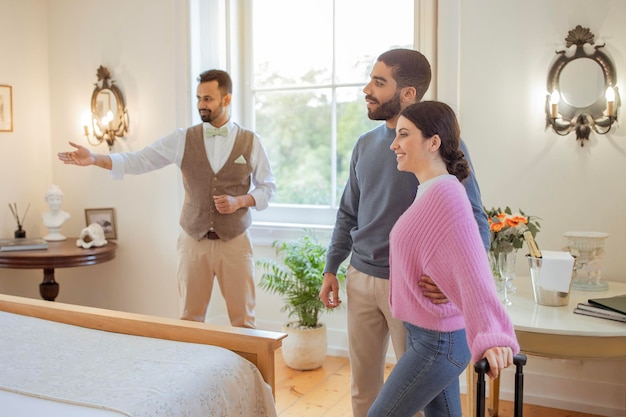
{"x": 20, "y": 232}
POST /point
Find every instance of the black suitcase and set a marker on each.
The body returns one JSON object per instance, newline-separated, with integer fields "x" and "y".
{"x": 482, "y": 367}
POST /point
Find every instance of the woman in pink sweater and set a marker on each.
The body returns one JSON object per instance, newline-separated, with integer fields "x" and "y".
{"x": 438, "y": 237}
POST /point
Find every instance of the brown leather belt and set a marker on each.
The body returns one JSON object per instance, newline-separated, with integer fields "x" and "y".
{"x": 211, "y": 235}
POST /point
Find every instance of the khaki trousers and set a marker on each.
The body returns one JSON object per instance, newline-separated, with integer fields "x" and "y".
{"x": 370, "y": 324}
{"x": 232, "y": 263}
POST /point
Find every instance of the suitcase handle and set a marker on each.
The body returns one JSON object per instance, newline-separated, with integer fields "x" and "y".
{"x": 482, "y": 367}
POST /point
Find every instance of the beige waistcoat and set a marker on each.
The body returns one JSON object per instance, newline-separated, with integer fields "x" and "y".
{"x": 199, "y": 214}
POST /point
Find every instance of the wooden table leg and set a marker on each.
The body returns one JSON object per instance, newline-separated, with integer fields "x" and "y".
{"x": 494, "y": 396}
{"x": 49, "y": 288}
{"x": 472, "y": 378}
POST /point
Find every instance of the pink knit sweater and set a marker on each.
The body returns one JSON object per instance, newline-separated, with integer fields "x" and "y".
{"x": 437, "y": 236}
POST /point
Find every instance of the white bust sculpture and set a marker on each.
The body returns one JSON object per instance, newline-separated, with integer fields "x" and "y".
{"x": 54, "y": 218}
{"x": 91, "y": 236}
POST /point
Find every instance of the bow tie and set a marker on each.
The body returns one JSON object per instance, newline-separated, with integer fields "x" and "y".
{"x": 212, "y": 131}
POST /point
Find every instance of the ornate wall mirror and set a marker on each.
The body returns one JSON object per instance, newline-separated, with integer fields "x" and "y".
{"x": 109, "y": 118}
{"x": 582, "y": 88}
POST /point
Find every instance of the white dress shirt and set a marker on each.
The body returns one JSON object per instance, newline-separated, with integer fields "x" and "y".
{"x": 170, "y": 149}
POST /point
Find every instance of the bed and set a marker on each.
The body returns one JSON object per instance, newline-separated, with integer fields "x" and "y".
{"x": 66, "y": 360}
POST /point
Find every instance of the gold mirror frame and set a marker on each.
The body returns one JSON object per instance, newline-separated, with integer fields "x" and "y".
{"x": 598, "y": 116}
{"x": 109, "y": 117}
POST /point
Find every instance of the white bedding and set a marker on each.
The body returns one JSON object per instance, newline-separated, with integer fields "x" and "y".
{"x": 14, "y": 405}
{"x": 126, "y": 375}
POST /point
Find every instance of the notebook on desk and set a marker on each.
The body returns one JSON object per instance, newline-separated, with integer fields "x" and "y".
{"x": 616, "y": 303}
{"x": 7, "y": 245}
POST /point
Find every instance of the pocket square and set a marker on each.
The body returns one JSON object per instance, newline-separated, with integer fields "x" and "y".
{"x": 240, "y": 160}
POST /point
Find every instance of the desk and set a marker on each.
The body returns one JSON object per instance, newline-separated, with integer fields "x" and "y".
{"x": 64, "y": 254}
{"x": 557, "y": 332}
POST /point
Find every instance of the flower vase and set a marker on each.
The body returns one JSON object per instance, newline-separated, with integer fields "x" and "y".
{"x": 495, "y": 270}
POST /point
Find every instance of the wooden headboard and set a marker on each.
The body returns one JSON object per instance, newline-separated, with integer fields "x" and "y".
{"x": 257, "y": 346}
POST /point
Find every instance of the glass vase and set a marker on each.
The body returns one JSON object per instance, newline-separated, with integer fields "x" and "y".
{"x": 495, "y": 271}
{"x": 506, "y": 264}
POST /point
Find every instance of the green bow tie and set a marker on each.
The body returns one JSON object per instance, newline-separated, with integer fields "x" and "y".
{"x": 212, "y": 131}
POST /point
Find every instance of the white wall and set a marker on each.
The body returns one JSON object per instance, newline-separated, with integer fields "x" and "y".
{"x": 505, "y": 50}
{"x": 25, "y": 168}
{"x": 143, "y": 44}
{"x": 504, "y": 65}
{"x": 493, "y": 61}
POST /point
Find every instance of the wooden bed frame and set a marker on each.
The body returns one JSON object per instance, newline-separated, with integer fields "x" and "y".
{"x": 257, "y": 346}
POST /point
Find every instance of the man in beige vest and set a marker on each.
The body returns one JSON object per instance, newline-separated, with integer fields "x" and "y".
{"x": 225, "y": 171}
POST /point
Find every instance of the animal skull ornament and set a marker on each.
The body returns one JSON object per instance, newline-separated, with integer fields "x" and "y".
{"x": 91, "y": 236}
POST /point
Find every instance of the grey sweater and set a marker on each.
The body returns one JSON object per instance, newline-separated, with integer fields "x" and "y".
{"x": 375, "y": 196}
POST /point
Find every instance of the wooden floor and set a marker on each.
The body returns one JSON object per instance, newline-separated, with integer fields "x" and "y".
{"x": 325, "y": 392}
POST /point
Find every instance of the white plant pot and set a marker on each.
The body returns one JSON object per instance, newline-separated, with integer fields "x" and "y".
{"x": 304, "y": 348}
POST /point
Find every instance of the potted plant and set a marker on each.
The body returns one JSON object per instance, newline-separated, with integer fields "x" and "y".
{"x": 297, "y": 275}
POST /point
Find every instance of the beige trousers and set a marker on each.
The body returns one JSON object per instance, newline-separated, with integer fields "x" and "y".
{"x": 370, "y": 324}
{"x": 232, "y": 263}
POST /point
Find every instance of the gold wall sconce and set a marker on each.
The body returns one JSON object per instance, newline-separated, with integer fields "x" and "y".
{"x": 109, "y": 117}
{"x": 582, "y": 88}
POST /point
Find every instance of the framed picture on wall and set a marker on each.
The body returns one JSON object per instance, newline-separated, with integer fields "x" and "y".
{"x": 105, "y": 217}
{"x": 6, "y": 108}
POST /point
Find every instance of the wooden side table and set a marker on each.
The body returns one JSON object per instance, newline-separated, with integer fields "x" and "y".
{"x": 64, "y": 254}
{"x": 556, "y": 332}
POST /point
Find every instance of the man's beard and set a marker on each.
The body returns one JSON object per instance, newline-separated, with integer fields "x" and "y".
{"x": 387, "y": 110}
{"x": 208, "y": 117}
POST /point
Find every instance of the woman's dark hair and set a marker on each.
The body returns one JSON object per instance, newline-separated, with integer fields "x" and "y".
{"x": 224, "y": 82}
{"x": 437, "y": 118}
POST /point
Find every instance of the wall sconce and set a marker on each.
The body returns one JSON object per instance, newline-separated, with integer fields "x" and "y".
{"x": 109, "y": 117}
{"x": 583, "y": 95}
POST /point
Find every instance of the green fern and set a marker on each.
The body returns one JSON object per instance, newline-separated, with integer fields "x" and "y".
{"x": 298, "y": 278}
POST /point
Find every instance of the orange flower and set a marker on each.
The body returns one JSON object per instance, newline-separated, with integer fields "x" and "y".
{"x": 515, "y": 221}
{"x": 507, "y": 228}
{"x": 521, "y": 219}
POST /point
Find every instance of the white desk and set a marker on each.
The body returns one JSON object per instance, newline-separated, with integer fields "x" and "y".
{"x": 557, "y": 332}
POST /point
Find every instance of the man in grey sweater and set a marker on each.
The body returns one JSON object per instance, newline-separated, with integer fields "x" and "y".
{"x": 375, "y": 195}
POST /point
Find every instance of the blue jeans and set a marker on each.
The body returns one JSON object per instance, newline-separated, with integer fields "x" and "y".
{"x": 426, "y": 377}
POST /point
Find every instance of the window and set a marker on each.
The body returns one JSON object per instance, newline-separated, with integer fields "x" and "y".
{"x": 299, "y": 68}
{"x": 310, "y": 68}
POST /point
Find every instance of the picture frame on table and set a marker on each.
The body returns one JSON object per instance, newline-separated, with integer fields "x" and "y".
{"x": 6, "y": 108}
{"x": 105, "y": 217}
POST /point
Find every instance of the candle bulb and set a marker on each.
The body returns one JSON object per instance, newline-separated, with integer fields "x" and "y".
{"x": 554, "y": 110}
{"x": 610, "y": 101}
{"x": 86, "y": 118}
{"x": 555, "y": 97}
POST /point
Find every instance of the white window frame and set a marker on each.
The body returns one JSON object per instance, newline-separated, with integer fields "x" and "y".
{"x": 226, "y": 48}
